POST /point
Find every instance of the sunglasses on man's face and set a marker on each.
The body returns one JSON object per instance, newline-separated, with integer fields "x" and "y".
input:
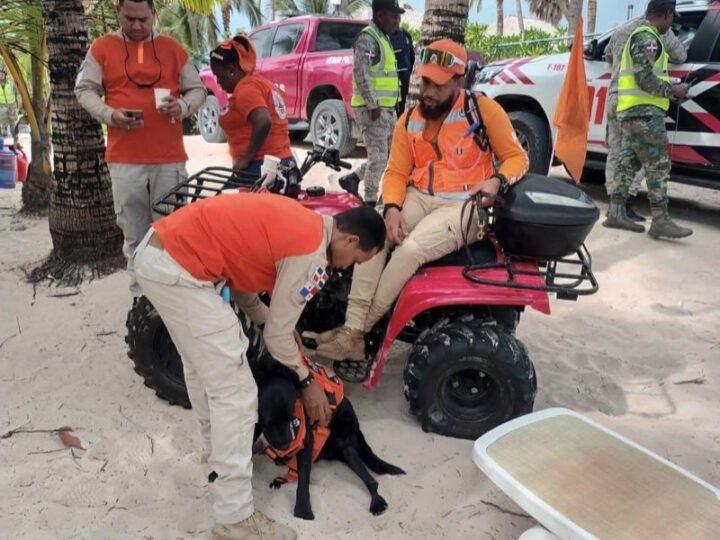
{"x": 441, "y": 58}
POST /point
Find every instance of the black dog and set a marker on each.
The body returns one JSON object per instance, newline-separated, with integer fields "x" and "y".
{"x": 279, "y": 423}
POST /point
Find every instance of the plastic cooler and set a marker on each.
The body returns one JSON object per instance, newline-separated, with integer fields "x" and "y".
{"x": 8, "y": 167}
{"x": 580, "y": 480}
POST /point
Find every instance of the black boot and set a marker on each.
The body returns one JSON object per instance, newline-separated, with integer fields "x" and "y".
{"x": 350, "y": 183}
{"x": 632, "y": 214}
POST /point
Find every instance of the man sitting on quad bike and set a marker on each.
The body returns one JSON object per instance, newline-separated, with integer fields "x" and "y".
{"x": 442, "y": 153}
{"x": 254, "y": 243}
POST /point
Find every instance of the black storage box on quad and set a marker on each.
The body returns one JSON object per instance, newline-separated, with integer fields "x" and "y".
{"x": 544, "y": 218}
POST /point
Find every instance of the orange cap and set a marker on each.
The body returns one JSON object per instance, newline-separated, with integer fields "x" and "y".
{"x": 441, "y": 75}
{"x": 245, "y": 51}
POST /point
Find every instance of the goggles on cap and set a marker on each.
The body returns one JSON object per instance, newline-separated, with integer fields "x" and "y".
{"x": 441, "y": 58}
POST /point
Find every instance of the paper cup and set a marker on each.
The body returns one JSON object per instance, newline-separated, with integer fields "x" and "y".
{"x": 160, "y": 95}
{"x": 271, "y": 163}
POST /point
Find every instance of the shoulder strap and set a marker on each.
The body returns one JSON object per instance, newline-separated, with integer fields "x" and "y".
{"x": 408, "y": 114}
{"x": 475, "y": 121}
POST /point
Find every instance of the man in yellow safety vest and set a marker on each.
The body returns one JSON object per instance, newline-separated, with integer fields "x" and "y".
{"x": 376, "y": 93}
{"x": 644, "y": 95}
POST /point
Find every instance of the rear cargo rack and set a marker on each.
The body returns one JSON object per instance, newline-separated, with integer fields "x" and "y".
{"x": 567, "y": 277}
{"x": 209, "y": 182}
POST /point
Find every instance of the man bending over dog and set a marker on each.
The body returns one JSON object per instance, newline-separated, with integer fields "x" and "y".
{"x": 254, "y": 243}
{"x": 440, "y": 156}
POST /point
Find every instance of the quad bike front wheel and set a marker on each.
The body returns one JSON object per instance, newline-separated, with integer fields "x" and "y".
{"x": 155, "y": 357}
{"x": 467, "y": 376}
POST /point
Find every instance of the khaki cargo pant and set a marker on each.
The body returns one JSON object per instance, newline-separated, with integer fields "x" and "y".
{"x": 435, "y": 229}
{"x": 378, "y": 136}
{"x": 135, "y": 187}
{"x": 221, "y": 387}
{"x": 613, "y": 140}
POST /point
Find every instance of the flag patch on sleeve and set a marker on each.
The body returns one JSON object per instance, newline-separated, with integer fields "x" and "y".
{"x": 314, "y": 284}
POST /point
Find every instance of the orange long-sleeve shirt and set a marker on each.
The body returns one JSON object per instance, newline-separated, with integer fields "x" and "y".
{"x": 505, "y": 145}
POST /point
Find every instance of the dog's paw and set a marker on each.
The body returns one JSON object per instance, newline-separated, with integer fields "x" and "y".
{"x": 303, "y": 512}
{"x": 392, "y": 469}
{"x": 378, "y": 505}
{"x": 278, "y": 483}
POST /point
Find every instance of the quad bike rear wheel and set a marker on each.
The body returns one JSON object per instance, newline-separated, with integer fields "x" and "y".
{"x": 156, "y": 358}
{"x": 465, "y": 376}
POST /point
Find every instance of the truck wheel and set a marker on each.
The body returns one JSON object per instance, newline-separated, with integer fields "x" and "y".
{"x": 465, "y": 377}
{"x": 155, "y": 357}
{"x": 534, "y": 138}
{"x": 209, "y": 120}
{"x": 330, "y": 127}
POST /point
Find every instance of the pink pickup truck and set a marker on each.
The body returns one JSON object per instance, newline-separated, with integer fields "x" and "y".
{"x": 310, "y": 58}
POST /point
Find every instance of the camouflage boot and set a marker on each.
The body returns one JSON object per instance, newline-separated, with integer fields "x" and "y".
{"x": 617, "y": 217}
{"x": 663, "y": 226}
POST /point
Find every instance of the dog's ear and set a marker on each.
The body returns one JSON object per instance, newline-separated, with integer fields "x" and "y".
{"x": 266, "y": 367}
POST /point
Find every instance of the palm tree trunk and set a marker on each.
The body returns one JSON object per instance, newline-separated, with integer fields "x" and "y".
{"x": 500, "y": 18}
{"x": 521, "y": 21}
{"x": 193, "y": 26}
{"x": 573, "y": 14}
{"x": 592, "y": 16}
{"x": 442, "y": 19}
{"x": 226, "y": 11}
{"x": 36, "y": 189}
{"x": 81, "y": 217}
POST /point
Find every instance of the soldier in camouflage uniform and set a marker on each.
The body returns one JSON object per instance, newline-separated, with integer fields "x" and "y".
{"x": 644, "y": 94}
{"x": 613, "y": 54}
{"x": 376, "y": 92}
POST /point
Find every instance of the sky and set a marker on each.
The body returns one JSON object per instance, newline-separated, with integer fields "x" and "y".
{"x": 610, "y": 12}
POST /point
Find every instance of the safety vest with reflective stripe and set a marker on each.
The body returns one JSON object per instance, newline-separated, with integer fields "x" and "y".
{"x": 452, "y": 164}
{"x": 384, "y": 74}
{"x": 629, "y": 93}
{"x": 7, "y": 94}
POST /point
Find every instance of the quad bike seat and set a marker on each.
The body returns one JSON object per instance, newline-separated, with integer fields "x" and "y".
{"x": 482, "y": 252}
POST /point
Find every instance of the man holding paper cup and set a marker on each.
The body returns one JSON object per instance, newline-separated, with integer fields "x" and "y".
{"x": 149, "y": 85}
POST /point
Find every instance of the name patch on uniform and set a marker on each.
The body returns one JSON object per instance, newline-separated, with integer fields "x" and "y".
{"x": 314, "y": 284}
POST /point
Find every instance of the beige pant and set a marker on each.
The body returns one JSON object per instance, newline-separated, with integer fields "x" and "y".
{"x": 435, "y": 230}
{"x": 613, "y": 139}
{"x": 220, "y": 385}
{"x": 135, "y": 187}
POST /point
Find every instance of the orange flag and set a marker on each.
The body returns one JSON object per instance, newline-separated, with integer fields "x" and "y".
{"x": 572, "y": 116}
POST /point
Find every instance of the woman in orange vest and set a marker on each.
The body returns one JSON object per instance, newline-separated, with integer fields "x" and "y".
{"x": 256, "y": 117}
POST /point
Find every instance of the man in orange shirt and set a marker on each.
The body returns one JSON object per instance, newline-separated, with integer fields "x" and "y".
{"x": 145, "y": 152}
{"x": 256, "y": 117}
{"x": 254, "y": 243}
{"x": 437, "y": 161}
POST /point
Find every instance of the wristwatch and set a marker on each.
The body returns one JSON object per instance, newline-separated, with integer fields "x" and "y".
{"x": 307, "y": 381}
{"x": 504, "y": 184}
{"x": 389, "y": 206}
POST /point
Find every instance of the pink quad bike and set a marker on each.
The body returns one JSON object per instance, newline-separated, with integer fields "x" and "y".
{"x": 466, "y": 371}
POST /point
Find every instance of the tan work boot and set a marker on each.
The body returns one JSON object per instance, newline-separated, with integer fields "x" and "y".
{"x": 256, "y": 527}
{"x": 327, "y": 337}
{"x": 663, "y": 226}
{"x": 348, "y": 344}
{"x": 617, "y": 217}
